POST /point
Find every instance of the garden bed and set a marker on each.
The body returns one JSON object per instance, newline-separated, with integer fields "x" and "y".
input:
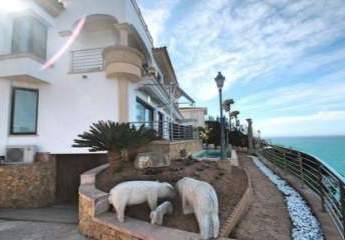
{"x": 229, "y": 187}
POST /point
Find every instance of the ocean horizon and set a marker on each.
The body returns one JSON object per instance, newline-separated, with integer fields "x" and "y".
{"x": 329, "y": 149}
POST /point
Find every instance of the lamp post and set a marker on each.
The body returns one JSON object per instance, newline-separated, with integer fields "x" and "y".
{"x": 220, "y": 83}
{"x": 234, "y": 114}
{"x": 227, "y": 107}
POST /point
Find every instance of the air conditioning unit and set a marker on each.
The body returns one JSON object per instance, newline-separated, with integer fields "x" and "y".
{"x": 20, "y": 154}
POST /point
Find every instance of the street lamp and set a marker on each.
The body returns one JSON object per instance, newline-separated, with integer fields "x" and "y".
{"x": 220, "y": 83}
{"x": 234, "y": 114}
{"x": 227, "y": 107}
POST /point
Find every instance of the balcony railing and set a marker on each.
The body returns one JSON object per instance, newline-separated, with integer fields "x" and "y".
{"x": 317, "y": 175}
{"x": 137, "y": 9}
{"x": 87, "y": 60}
{"x": 170, "y": 131}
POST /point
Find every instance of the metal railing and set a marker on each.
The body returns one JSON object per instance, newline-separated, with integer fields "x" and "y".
{"x": 317, "y": 175}
{"x": 170, "y": 131}
{"x": 87, "y": 60}
{"x": 138, "y": 11}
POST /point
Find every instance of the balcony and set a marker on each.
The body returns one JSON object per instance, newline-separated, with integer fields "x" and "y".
{"x": 154, "y": 88}
{"x": 22, "y": 67}
{"x": 123, "y": 62}
{"x": 170, "y": 131}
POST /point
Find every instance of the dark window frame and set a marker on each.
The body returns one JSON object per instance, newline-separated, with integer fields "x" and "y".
{"x": 147, "y": 106}
{"x": 13, "y": 103}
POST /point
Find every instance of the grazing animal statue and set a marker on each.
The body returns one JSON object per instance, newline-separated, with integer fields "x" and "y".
{"x": 137, "y": 192}
{"x": 200, "y": 198}
{"x": 157, "y": 215}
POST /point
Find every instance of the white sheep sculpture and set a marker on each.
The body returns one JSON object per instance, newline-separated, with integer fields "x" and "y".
{"x": 137, "y": 192}
{"x": 157, "y": 215}
{"x": 200, "y": 198}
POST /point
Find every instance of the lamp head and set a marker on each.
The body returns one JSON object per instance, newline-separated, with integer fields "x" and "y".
{"x": 227, "y": 104}
{"x": 235, "y": 113}
{"x": 220, "y": 80}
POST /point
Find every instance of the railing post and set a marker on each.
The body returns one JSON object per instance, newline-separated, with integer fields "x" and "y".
{"x": 342, "y": 204}
{"x": 284, "y": 161}
{"x": 319, "y": 179}
{"x": 300, "y": 161}
{"x": 275, "y": 158}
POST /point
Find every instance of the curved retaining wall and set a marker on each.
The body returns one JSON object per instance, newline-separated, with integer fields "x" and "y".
{"x": 28, "y": 185}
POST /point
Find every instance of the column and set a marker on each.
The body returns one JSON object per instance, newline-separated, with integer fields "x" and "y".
{"x": 123, "y": 100}
{"x": 250, "y": 136}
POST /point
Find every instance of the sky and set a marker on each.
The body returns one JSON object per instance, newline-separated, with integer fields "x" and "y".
{"x": 284, "y": 60}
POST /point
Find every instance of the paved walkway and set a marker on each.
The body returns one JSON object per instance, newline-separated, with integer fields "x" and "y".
{"x": 58, "y": 222}
{"x": 267, "y": 217}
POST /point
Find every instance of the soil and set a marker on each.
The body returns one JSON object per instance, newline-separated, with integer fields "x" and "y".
{"x": 267, "y": 217}
{"x": 229, "y": 188}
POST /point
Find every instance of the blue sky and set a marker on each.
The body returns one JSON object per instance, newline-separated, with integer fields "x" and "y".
{"x": 284, "y": 60}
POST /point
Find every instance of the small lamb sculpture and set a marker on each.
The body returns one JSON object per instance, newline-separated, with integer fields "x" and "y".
{"x": 157, "y": 215}
{"x": 201, "y": 198}
{"x": 137, "y": 192}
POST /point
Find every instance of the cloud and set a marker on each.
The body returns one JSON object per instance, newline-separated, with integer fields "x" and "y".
{"x": 298, "y": 98}
{"x": 294, "y": 120}
{"x": 156, "y": 14}
{"x": 314, "y": 124}
{"x": 245, "y": 39}
{"x": 284, "y": 59}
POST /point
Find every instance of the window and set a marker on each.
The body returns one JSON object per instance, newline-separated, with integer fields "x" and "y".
{"x": 24, "y": 111}
{"x": 144, "y": 112}
{"x": 29, "y": 36}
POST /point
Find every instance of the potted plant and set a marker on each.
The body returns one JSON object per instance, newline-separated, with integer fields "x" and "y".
{"x": 115, "y": 138}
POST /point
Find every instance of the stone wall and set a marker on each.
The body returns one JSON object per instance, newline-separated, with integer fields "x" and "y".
{"x": 93, "y": 202}
{"x": 174, "y": 148}
{"x": 28, "y": 185}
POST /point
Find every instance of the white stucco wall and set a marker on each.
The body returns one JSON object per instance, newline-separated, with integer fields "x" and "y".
{"x": 69, "y": 103}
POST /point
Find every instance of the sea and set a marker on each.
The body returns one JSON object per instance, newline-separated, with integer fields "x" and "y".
{"x": 330, "y": 149}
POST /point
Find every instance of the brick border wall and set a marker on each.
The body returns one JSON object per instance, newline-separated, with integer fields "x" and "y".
{"x": 174, "y": 148}
{"x": 28, "y": 185}
{"x": 239, "y": 211}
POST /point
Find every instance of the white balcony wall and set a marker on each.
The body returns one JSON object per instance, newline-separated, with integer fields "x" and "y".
{"x": 5, "y": 34}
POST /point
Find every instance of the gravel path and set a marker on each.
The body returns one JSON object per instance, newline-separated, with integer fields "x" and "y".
{"x": 25, "y": 230}
{"x": 268, "y": 217}
{"x": 53, "y": 223}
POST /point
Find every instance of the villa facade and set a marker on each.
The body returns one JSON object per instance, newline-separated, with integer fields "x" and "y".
{"x": 65, "y": 65}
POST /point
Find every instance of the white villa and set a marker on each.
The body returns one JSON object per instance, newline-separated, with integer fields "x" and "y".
{"x": 67, "y": 64}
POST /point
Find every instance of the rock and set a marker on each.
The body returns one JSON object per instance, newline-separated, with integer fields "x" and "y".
{"x": 151, "y": 160}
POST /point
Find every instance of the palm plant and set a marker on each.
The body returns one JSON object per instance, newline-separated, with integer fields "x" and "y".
{"x": 114, "y": 138}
